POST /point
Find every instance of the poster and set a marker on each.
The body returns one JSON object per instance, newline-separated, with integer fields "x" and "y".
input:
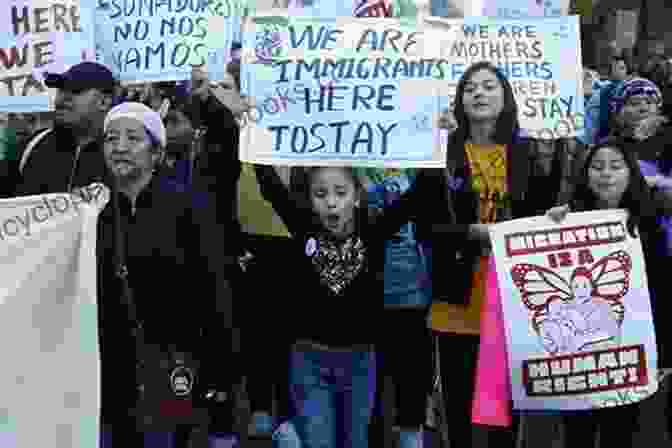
{"x": 577, "y": 312}
{"x": 516, "y": 9}
{"x": 151, "y": 41}
{"x": 318, "y": 97}
{"x": 369, "y": 92}
{"x": 49, "y": 379}
{"x": 538, "y": 56}
{"x": 39, "y": 36}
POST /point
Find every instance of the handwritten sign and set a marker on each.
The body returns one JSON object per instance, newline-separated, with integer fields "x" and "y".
{"x": 515, "y": 9}
{"x": 369, "y": 91}
{"x": 538, "y": 56}
{"x": 318, "y": 100}
{"x": 40, "y": 36}
{"x": 155, "y": 40}
{"x": 577, "y": 311}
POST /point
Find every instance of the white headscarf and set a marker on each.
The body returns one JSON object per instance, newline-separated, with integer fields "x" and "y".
{"x": 145, "y": 115}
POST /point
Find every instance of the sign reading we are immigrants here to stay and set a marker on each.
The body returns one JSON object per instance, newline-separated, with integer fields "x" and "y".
{"x": 370, "y": 91}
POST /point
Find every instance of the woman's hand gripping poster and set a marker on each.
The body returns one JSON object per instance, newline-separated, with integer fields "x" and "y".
{"x": 576, "y": 310}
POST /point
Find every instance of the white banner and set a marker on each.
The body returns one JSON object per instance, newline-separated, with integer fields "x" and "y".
{"x": 577, "y": 312}
{"x": 49, "y": 380}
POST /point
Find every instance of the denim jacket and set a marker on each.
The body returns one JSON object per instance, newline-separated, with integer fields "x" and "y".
{"x": 405, "y": 272}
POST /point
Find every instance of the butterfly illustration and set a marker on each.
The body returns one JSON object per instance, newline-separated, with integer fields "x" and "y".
{"x": 581, "y": 314}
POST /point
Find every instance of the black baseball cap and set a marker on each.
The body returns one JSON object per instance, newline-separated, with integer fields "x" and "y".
{"x": 81, "y": 77}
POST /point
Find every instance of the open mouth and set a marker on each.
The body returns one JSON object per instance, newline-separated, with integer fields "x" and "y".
{"x": 333, "y": 220}
{"x": 122, "y": 163}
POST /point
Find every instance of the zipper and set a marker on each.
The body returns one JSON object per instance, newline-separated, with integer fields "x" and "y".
{"x": 74, "y": 167}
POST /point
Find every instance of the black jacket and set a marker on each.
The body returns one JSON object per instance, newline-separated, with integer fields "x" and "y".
{"x": 51, "y": 166}
{"x": 218, "y": 168}
{"x": 179, "y": 276}
{"x": 444, "y": 205}
{"x": 312, "y": 310}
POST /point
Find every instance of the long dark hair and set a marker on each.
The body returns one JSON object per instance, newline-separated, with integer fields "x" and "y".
{"x": 507, "y": 127}
{"x": 636, "y": 198}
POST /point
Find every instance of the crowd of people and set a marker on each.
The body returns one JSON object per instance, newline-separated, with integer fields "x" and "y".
{"x": 346, "y": 296}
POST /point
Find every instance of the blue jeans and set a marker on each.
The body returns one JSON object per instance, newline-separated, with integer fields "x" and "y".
{"x": 150, "y": 440}
{"x": 332, "y": 394}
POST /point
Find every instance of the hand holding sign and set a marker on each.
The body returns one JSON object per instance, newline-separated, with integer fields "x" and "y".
{"x": 559, "y": 213}
{"x": 447, "y": 120}
{"x": 649, "y": 126}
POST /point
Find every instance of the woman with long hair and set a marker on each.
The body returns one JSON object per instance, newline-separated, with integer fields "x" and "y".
{"x": 610, "y": 179}
{"x": 492, "y": 174}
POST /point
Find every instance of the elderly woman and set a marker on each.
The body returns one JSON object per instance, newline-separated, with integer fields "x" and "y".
{"x": 176, "y": 270}
{"x": 647, "y": 134}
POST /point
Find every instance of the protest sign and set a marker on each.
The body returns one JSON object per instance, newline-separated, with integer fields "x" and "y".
{"x": 317, "y": 100}
{"x": 40, "y": 36}
{"x": 577, "y": 312}
{"x": 539, "y": 57}
{"x": 156, "y": 40}
{"x": 50, "y": 373}
{"x": 516, "y": 9}
{"x": 369, "y": 91}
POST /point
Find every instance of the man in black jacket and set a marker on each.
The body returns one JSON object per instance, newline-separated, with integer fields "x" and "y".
{"x": 67, "y": 155}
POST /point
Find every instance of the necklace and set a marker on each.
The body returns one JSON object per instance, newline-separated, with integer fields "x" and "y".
{"x": 488, "y": 168}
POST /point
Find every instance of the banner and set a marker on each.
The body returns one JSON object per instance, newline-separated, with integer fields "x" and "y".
{"x": 369, "y": 92}
{"x": 49, "y": 381}
{"x": 40, "y": 36}
{"x": 515, "y": 9}
{"x": 151, "y": 41}
{"x": 577, "y": 312}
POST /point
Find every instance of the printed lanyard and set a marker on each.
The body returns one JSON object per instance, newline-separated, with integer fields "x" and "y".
{"x": 194, "y": 152}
